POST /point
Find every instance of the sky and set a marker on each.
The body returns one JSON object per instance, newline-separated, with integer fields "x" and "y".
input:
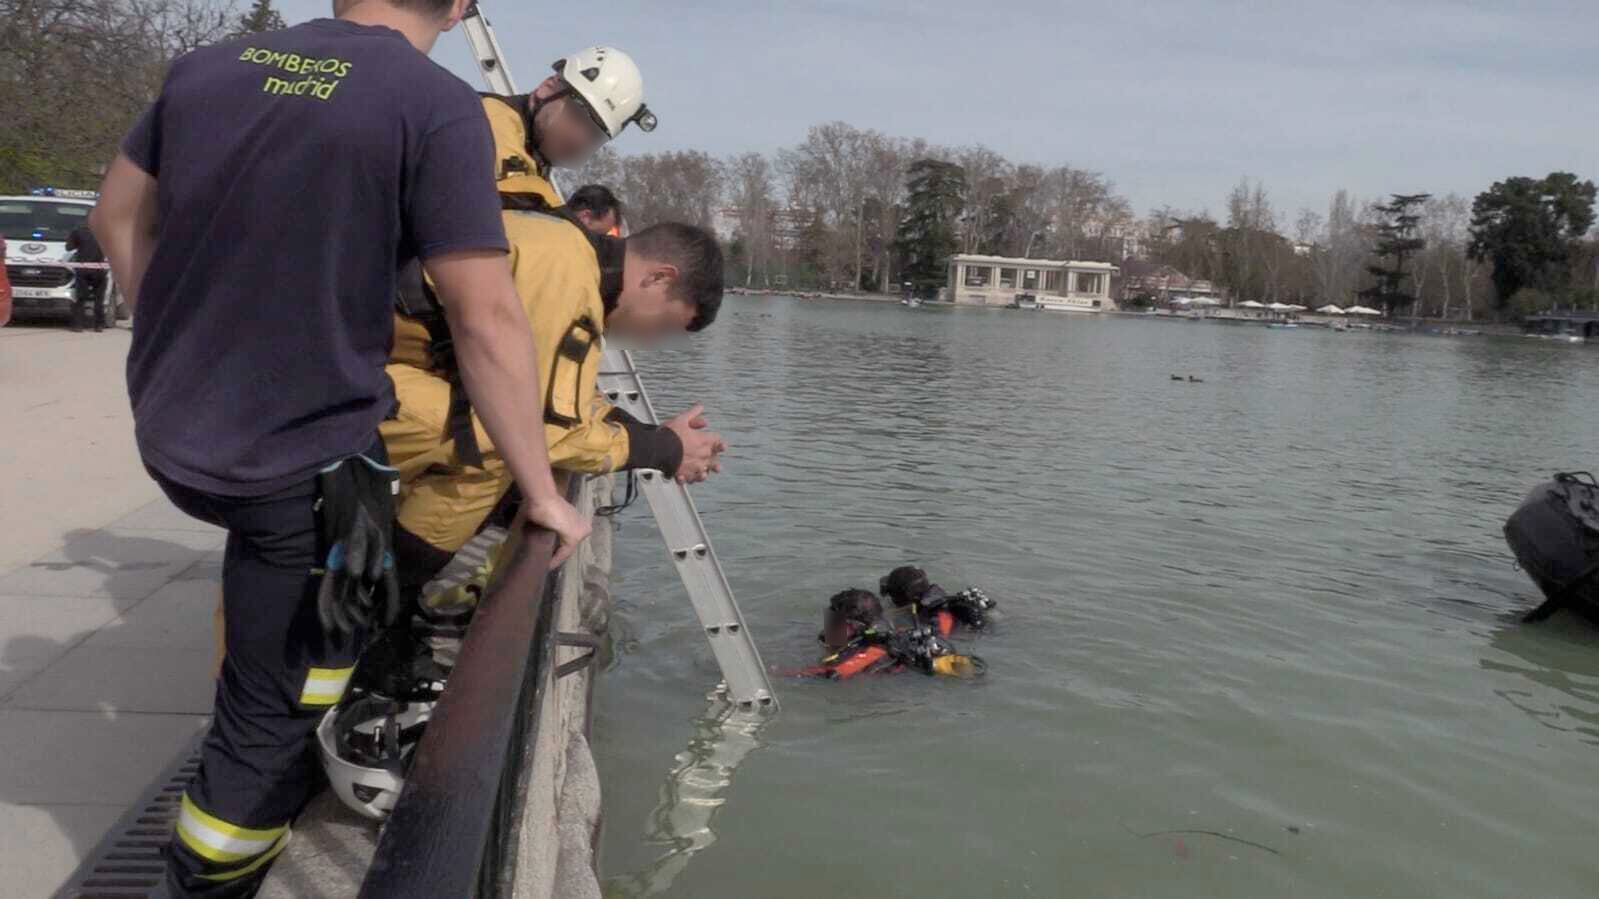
{"x": 1173, "y": 101}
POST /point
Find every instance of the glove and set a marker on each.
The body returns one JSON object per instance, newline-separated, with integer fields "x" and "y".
{"x": 955, "y": 665}
{"x": 356, "y": 521}
{"x": 971, "y": 607}
{"x": 977, "y": 598}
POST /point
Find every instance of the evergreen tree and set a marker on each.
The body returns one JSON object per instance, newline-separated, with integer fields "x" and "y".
{"x": 1397, "y": 239}
{"x": 262, "y": 17}
{"x": 926, "y": 237}
{"x": 1527, "y": 229}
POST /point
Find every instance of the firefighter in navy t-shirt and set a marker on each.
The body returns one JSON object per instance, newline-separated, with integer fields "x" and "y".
{"x": 257, "y": 217}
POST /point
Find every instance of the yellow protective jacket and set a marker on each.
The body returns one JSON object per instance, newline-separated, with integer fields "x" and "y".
{"x": 514, "y": 167}
{"x": 557, "y": 275}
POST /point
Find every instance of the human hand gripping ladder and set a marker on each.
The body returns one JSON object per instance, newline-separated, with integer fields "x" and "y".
{"x": 743, "y": 674}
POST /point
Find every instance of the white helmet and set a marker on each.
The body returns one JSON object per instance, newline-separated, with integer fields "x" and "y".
{"x": 367, "y": 742}
{"x": 610, "y": 83}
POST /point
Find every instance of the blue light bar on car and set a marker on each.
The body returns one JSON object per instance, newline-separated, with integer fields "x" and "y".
{"x": 65, "y": 193}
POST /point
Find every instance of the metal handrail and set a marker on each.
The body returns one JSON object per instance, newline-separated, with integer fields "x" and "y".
{"x": 453, "y": 831}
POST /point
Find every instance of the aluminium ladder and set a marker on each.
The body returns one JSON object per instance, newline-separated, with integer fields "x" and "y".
{"x": 743, "y": 674}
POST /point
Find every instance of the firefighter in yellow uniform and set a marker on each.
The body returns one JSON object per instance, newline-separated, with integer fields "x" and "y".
{"x": 575, "y": 287}
{"x": 591, "y": 97}
{"x": 664, "y": 278}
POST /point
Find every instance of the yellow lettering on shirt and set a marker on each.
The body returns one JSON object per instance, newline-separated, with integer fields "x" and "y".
{"x": 323, "y": 76}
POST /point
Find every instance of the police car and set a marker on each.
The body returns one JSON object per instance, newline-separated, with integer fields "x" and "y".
{"x": 35, "y": 228}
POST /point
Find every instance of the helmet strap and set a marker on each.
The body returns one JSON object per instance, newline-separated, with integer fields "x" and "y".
{"x": 531, "y": 116}
{"x": 611, "y": 252}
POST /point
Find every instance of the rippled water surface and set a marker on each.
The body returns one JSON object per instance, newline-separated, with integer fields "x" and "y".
{"x": 1271, "y": 607}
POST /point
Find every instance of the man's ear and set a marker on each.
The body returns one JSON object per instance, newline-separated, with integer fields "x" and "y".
{"x": 457, "y": 12}
{"x": 663, "y": 273}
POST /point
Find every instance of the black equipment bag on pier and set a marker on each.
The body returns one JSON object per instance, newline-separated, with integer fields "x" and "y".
{"x": 1555, "y": 536}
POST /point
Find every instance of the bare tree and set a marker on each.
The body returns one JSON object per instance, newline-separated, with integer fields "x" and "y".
{"x": 886, "y": 161}
{"x": 1337, "y": 258}
{"x": 832, "y": 163}
{"x": 74, "y": 74}
{"x": 987, "y": 175}
{"x": 683, "y": 186}
{"x": 604, "y": 167}
{"x": 1445, "y": 225}
{"x": 753, "y": 196}
{"x": 1249, "y": 244}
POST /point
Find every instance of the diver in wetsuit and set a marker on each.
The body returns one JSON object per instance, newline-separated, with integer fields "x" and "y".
{"x": 927, "y": 604}
{"x": 859, "y": 641}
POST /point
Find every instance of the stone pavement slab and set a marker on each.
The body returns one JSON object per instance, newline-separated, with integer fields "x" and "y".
{"x": 68, "y": 452}
{"x": 40, "y": 843}
{"x": 160, "y": 516}
{"x": 77, "y": 758}
{"x": 88, "y": 537}
{"x": 166, "y": 619}
{"x": 68, "y": 777}
{"x": 105, "y": 675}
{"x": 35, "y": 632}
{"x": 123, "y": 679}
{"x": 328, "y": 855}
{"x": 124, "y": 566}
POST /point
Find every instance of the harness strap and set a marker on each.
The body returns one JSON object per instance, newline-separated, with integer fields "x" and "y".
{"x": 418, "y": 301}
{"x": 575, "y": 346}
{"x": 609, "y": 252}
{"x": 524, "y": 106}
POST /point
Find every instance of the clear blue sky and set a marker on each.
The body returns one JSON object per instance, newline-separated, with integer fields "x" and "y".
{"x": 1174, "y": 101}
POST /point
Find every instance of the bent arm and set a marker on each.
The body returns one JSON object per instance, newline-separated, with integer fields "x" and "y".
{"x": 498, "y": 361}
{"x": 648, "y": 446}
{"x": 125, "y": 222}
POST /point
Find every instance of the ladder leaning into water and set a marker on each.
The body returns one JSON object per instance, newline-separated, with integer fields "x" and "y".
{"x": 743, "y": 674}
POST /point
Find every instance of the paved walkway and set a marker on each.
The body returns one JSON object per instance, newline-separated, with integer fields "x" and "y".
{"x": 106, "y": 594}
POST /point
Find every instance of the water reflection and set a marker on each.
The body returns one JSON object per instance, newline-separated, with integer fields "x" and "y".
{"x": 1558, "y": 655}
{"x": 694, "y": 791}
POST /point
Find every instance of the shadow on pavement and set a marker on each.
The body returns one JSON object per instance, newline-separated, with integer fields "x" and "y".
{"x": 102, "y": 681}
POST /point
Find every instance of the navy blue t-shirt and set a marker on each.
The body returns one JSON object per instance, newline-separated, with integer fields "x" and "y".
{"x": 296, "y": 172}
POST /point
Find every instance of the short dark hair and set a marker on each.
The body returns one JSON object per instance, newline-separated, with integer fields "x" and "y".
{"x": 905, "y": 585}
{"x": 438, "y": 8}
{"x": 595, "y": 199}
{"x": 698, "y": 258}
{"x": 856, "y": 604}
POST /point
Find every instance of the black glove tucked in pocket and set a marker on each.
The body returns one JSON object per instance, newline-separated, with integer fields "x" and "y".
{"x": 355, "y": 513}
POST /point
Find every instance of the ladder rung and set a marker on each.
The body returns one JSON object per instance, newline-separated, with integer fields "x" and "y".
{"x": 690, "y": 547}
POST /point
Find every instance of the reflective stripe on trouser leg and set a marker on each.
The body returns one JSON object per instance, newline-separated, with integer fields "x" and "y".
{"x": 258, "y": 766}
{"x": 230, "y": 851}
{"x": 325, "y": 686}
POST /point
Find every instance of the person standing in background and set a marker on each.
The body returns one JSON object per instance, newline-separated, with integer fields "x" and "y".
{"x": 5, "y": 287}
{"x": 89, "y": 285}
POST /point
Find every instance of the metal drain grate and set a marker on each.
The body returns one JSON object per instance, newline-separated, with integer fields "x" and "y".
{"x": 128, "y": 864}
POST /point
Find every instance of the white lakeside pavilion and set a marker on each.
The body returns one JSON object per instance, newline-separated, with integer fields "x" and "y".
{"x": 1053, "y": 283}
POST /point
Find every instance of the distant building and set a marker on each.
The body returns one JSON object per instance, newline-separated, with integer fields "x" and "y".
{"x": 1120, "y": 240}
{"x": 1006, "y": 281}
{"x": 1162, "y": 282}
{"x": 785, "y": 225}
{"x": 1572, "y": 325}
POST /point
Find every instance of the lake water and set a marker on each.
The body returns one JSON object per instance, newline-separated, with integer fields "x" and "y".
{"x": 1275, "y": 606}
